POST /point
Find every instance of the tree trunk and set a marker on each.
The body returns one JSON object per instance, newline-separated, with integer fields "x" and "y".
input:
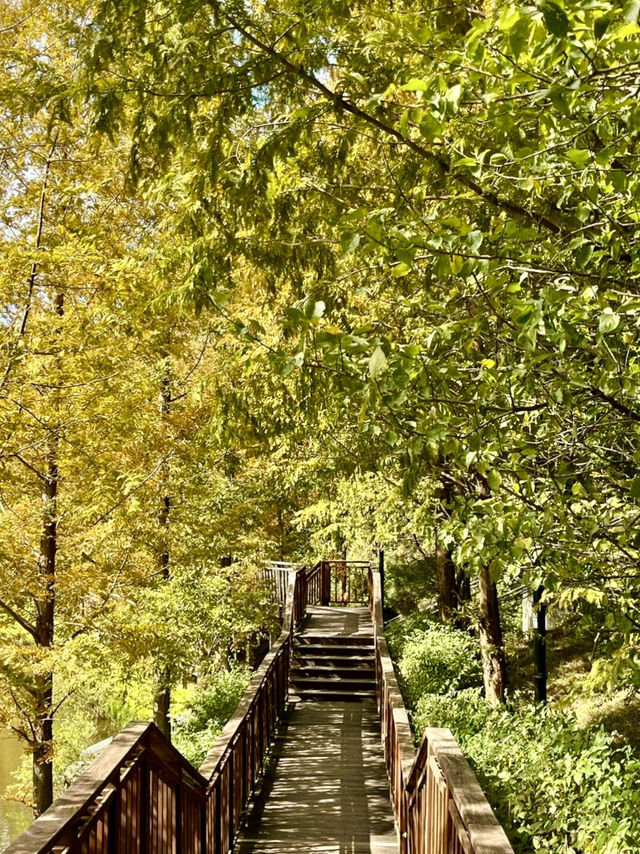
{"x": 491, "y": 646}
{"x": 446, "y": 577}
{"x": 42, "y": 768}
{"x": 448, "y": 599}
{"x": 44, "y": 635}
{"x": 162, "y": 701}
{"x": 540, "y": 647}
{"x": 162, "y": 697}
{"x": 463, "y": 587}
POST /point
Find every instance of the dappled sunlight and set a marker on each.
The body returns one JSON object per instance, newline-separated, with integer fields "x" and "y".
{"x": 325, "y": 788}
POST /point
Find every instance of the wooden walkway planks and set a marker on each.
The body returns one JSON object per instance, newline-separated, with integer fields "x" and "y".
{"x": 325, "y": 787}
{"x": 329, "y": 621}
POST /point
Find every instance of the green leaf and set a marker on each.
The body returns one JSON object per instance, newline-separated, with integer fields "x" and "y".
{"x": 601, "y": 25}
{"x": 313, "y": 309}
{"x": 519, "y": 35}
{"x": 377, "y": 363}
{"x": 453, "y": 94}
{"x": 584, "y": 254}
{"x": 555, "y": 19}
{"x": 430, "y": 126}
{"x": 493, "y": 479}
{"x": 631, "y": 11}
{"x": 415, "y": 85}
{"x": 465, "y": 161}
{"x": 349, "y": 241}
{"x": 608, "y": 321}
{"x": 508, "y": 17}
{"x": 579, "y": 156}
{"x": 400, "y": 270}
{"x": 634, "y": 491}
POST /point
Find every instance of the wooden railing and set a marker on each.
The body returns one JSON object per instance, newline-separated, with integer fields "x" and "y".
{"x": 276, "y": 578}
{"x": 309, "y": 589}
{"x": 329, "y": 582}
{"x": 345, "y": 582}
{"x": 438, "y": 803}
{"x": 141, "y": 796}
{"x": 138, "y": 784}
{"x": 314, "y": 584}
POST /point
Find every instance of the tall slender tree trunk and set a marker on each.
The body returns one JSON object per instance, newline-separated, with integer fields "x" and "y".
{"x": 45, "y": 620}
{"x": 448, "y": 598}
{"x": 44, "y": 625}
{"x": 446, "y": 578}
{"x": 491, "y": 644}
{"x": 162, "y": 696}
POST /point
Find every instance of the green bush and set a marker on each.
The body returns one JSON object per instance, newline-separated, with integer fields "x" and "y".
{"x": 555, "y": 789}
{"x": 465, "y": 714}
{"x": 432, "y": 657}
{"x": 206, "y": 710}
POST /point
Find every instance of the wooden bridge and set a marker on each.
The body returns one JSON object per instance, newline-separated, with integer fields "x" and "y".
{"x": 318, "y": 756}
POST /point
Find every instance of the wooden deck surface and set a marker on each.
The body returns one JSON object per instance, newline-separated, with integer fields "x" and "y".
{"x": 329, "y": 621}
{"x": 325, "y": 787}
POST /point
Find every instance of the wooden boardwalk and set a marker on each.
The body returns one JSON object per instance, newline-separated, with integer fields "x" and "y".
{"x": 325, "y": 787}
{"x": 301, "y": 757}
{"x": 336, "y": 622}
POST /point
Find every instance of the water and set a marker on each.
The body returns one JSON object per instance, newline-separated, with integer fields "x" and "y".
{"x": 14, "y": 817}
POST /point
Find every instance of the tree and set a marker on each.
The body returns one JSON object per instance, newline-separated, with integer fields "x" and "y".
{"x": 476, "y": 170}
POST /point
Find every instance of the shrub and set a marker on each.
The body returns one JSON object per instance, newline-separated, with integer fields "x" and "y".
{"x": 432, "y": 658}
{"x": 554, "y": 788}
{"x": 206, "y": 711}
{"x": 465, "y": 714}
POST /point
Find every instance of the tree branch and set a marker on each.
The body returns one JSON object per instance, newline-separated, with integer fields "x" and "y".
{"x": 25, "y": 624}
{"x": 342, "y": 103}
{"x": 34, "y": 266}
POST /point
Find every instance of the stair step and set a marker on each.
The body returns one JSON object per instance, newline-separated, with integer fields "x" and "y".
{"x": 305, "y": 660}
{"x": 314, "y": 684}
{"x": 310, "y": 671}
{"x": 311, "y": 650}
{"x": 334, "y": 640}
{"x": 333, "y": 694}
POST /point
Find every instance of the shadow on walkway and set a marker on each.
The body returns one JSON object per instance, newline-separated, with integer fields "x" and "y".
{"x": 325, "y": 787}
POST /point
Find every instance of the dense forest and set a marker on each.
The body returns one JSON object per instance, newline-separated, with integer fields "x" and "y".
{"x": 284, "y": 280}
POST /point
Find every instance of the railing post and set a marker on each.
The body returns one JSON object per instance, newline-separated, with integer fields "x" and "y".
{"x": 218, "y": 822}
{"x": 231, "y": 793}
{"x": 178, "y": 816}
{"x": 381, "y": 569}
{"x": 145, "y": 795}
{"x": 325, "y": 574}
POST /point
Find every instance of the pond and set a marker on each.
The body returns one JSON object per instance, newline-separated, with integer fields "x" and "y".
{"x": 14, "y": 817}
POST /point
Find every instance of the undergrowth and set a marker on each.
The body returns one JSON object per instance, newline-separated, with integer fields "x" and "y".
{"x": 555, "y": 787}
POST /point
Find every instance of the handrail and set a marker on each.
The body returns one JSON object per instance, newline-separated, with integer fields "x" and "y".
{"x": 142, "y": 795}
{"x": 83, "y": 810}
{"x": 250, "y": 727}
{"x": 394, "y": 721}
{"x": 347, "y": 584}
{"x": 438, "y": 803}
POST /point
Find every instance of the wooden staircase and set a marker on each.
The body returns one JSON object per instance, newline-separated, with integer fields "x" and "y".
{"x": 333, "y": 667}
